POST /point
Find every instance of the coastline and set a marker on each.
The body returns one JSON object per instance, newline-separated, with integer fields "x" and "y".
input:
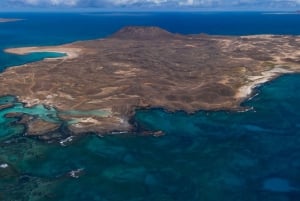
{"x": 38, "y": 128}
{"x": 246, "y": 91}
{"x": 121, "y": 74}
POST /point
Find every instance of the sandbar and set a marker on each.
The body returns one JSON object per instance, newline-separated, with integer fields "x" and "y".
{"x": 71, "y": 52}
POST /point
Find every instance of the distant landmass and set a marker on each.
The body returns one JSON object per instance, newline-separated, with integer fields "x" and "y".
{"x": 100, "y": 83}
{"x": 2, "y": 20}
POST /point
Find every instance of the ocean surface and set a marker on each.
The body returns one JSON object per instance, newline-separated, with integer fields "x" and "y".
{"x": 206, "y": 156}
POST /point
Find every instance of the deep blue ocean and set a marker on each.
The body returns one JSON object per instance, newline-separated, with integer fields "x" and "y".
{"x": 206, "y": 156}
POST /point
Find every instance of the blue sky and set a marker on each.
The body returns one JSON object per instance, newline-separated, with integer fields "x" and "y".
{"x": 153, "y": 4}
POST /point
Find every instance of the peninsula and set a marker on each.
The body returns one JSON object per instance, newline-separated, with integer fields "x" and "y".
{"x": 100, "y": 83}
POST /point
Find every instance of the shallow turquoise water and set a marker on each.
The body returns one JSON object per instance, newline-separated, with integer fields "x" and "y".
{"x": 207, "y": 156}
{"x": 16, "y": 60}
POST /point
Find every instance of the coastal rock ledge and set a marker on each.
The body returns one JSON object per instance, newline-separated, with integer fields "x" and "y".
{"x": 100, "y": 83}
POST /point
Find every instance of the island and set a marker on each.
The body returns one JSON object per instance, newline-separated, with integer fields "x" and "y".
{"x": 2, "y": 20}
{"x": 100, "y": 84}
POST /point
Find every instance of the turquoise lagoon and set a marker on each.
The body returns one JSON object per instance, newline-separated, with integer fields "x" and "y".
{"x": 207, "y": 156}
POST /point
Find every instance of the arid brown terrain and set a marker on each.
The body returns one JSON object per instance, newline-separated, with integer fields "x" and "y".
{"x": 141, "y": 67}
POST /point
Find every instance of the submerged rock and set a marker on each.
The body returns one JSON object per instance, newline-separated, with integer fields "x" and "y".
{"x": 8, "y": 105}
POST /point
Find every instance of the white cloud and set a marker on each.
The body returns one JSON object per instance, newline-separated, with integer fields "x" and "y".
{"x": 64, "y": 2}
{"x": 126, "y": 2}
{"x": 49, "y": 2}
{"x": 32, "y": 2}
{"x": 187, "y": 3}
{"x": 198, "y": 2}
{"x": 158, "y": 3}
